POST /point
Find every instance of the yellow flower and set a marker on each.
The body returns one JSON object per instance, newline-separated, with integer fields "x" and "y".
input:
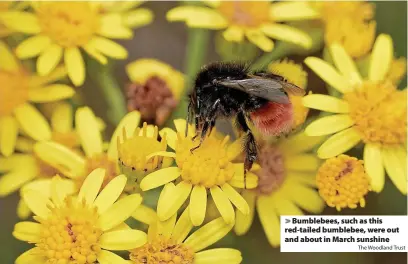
{"x": 81, "y": 228}
{"x": 372, "y": 111}
{"x": 350, "y": 23}
{"x": 6, "y": 6}
{"x": 169, "y": 242}
{"x": 254, "y": 20}
{"x": 74, "y": 165}
{"x": 286, "y": 185}
{"x": 60, "y": 29}
{"x": 342, "y": 182}
{"x": 155, "y": 89}
{"x": 208, "y": 168}
{"x": 18, "y": 89}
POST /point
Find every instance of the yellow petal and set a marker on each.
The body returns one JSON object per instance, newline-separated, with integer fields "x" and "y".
{"x": 122, "y": 239}
{"x": 285, "y": 206}
{"x": 111, "y": 26}
{"x": 373, "y": 165}
{"x": 212, "y": 3}
{"x": 208, "y": 234}
{"x": 37, "y": 203}
{"x": 24, "y": 145}
{"x": 32, "y": 46}
{"x": 137, "y": 18}
{"x": 292, "y": 11}
{"x": 218, "y": 255}
{"x": 395, "y": 163}
{"x": 381, "y": 58}
{"x": 60, "y": 157}
{"x": 8, "y": 135}
{"x": 107, "y": 257}
{"x": 288, "y": 34}
{"x": 168, "y": 207}
{"x": 60, "y": 189}
{"x": 145, "y": 214}
{"x": 87, "y": 127}
{"x": 244, "y": 222}
{"x": 8, "y": 61}
{"x": 198, "y": 17}
{"x": 119, "y": 211}
{"x": 39, "y": 81}
{"x": 299, "y": 143}
{"x": 94, "y": 53}
{"x": 260, "y": 40}
{"x": 183, "y": 226}
{"x": 235, "y": 149}
{"x": 13, "y": 180}
{"x": 23, "y": 211}
{"x": 171, "y": 136}
{"x": 269, "y": 220}
{"x": 328, "y": 74}
{"x": 329, "y": 125}
{"x": 109, "y": 48}
{"x": 198, "y": 204}
{"x": 49, "y": 59}
{"x": 50, "y": 93}
{"x": 165, "y": 228}
{"x": 62, "y": 118}
{"x": 235, "y": 198}
{"x": 30, "y": 256}
{"x": 27, "y": 231}
{"x": 23, "y": 22}
{"x": 159, "y": 178}
{"x": 110, "y": 193}
{"x": 91, "y": 186}
{"x": 305, "y": 178}
{"x": 75, "y": 66}
{"x": 325, "y": 103}
{"x": 234, "y": 33}
{"x": 302, "y": 162}
{"x": 223, "y": 204}
{"x": 129, "y": 122}
{"x": 305, "y": 197}
{"x": 33, "y": 122}
{"x": 345, "y": 64}
{"x": 250, "y": 181}
{"x": 339, "y": 143}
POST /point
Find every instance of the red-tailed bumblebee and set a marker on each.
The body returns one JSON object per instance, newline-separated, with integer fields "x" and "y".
{"x": 226, "y": 90}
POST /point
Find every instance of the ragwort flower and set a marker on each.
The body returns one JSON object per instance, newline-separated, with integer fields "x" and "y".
{"x": 251, "y": 19}
{"x": 155, "y": 89}
{"x": 208, "y": 168}
{"x": 80, "y": 229}
{"x": 372, "y": 111}
{"x": 18, "y": 90}
{"x": 170, "y": 242}
{"x": 61, "y": 29}
{"x": 350, "y": 23}
{"x": 286, "y": 185}
{"x": 342, "y": 182}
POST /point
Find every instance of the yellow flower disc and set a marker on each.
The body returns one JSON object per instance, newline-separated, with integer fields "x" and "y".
{"x": 69, "y": 24}
{"x": 14, "y": 90}
{"x": 343, "y": 182}
{"x": 70, "y": 234}
{"x": 208, "y": 165}
{"x": 162, "y": 250}
{"x": 245, "y": 13}
{"x": 379, "y": 111}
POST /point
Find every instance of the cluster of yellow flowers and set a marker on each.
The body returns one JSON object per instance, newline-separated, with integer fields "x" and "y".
{"x": 83, "y": 191}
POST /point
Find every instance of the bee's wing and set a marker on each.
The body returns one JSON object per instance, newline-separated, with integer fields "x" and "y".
{"x": 269, "y": 89}
{"x": 293, "y": 89}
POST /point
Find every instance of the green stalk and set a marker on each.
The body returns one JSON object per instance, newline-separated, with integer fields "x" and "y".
{"x": 196, "y": 50}
{"x": 278, "y": 52}
{"x": 102, "y": 75}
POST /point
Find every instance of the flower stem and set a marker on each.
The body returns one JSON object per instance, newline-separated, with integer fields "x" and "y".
{"x": 278, "y": 52}
{"x": 103, "y": 77}
{"x": 196, "y": 50}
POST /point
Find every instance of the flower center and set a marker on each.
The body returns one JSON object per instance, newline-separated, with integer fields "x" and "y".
{"x": 70, "y": 234}
{"x": 68, "y": 139}
{"x": 245, "y": 13}
{"x": 162, "y": 250}
{"x": 14, "y": 90}
{"x": 133, "y": 152}
{"x": 100, "y": 161}
{"x": 379, "y": 111}
{"x": 342, "y": 182}
{"x": 272, "y": 173}
{"x": 153, "y": 99}
{"x": 69, "y": 24}
{"x": 208, "y": 165}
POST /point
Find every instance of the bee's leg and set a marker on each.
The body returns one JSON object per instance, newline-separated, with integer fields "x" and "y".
{"x": 189, "y": 116}
{"x": 249, "y": 145}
